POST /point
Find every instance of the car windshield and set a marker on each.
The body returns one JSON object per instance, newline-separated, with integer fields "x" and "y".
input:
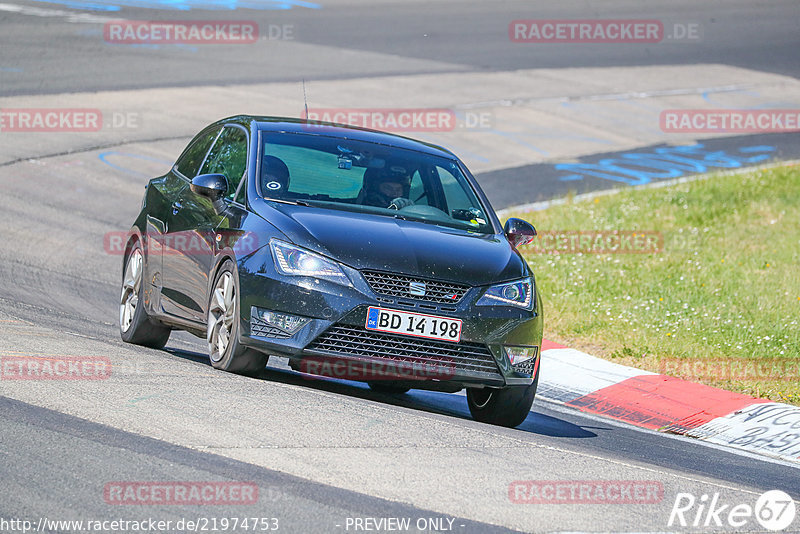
{"x": 339, "y": 173}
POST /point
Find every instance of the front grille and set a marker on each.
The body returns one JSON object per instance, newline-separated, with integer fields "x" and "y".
{"x": 261, "y": 328}
{"x": 398, "y": 285}
{"x": 472, "y": 358}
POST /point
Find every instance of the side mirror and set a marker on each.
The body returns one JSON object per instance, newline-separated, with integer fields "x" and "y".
{"x": 212, "y": 186}
{"x": 519, "y": 232}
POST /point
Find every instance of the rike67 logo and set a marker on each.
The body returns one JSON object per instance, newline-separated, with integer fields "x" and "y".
{"x": 774, "y": 510}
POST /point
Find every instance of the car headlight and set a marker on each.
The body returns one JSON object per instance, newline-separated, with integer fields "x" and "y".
{"x": 518, "y": 293}
{"x": 291, "y": 260}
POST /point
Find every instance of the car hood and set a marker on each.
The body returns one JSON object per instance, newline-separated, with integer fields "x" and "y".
{"x": 366, "y": 241}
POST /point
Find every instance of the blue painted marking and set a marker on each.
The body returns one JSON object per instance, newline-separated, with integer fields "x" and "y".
{"x": 639, "y": 168}
{"x": 10, "y": 69}
{"x": 758, "y": 158}
{"x": 372, "y": 318}
{"x": 185, "y": 5}
{"x": 103, "y": 156}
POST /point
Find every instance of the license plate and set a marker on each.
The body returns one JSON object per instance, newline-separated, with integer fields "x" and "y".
{"x": 414, "y": 324}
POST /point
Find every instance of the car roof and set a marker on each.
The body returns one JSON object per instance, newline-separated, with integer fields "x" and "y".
{"x": 330, "y": 129}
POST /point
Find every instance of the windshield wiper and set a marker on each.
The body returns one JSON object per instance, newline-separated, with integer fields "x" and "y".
{"x": 292, "y": 202}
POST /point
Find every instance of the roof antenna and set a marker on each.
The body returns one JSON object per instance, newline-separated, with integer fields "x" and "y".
{"x": 305, "y": 100}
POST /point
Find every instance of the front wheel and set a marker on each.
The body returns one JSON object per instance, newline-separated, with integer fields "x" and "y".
{"x": 224, "y": 349}
{"x": 503, "y": 407}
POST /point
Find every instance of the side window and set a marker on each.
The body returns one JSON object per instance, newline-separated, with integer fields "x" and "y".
{"x": 229, "y": 157}
{"x": 189, "y": 162}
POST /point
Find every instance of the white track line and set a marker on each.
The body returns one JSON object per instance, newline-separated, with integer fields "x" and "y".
{"x": 71, "y": 16}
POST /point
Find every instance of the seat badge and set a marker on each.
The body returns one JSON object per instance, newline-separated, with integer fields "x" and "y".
{"x": 417, "y": 288}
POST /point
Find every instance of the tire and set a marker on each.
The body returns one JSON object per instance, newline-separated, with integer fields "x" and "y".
{"x": 388, "y": 387}
{"x": 503, "y": 407}
{"x": 135, "y": 326}
{"x": 222, "y": 331}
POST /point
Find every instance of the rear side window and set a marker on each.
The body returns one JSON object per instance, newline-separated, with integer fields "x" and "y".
{"x": 228, "y": 157}
{"x": 189, "y": 162}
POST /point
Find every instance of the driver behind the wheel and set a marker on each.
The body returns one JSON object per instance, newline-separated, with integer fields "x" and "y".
{"x": 388, "y": 188}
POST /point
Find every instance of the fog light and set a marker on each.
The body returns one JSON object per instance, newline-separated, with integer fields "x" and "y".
{"x": 290, "y": 324}
{"x": 522, "y": 358}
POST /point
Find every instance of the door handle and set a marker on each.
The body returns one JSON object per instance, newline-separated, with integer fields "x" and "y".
{"x": 176, "y": 206}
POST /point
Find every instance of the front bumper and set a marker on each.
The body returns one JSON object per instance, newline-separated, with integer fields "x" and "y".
{"x": 336, "y": 331}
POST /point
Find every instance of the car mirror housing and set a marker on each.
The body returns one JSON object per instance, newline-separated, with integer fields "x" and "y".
{"x": 519, "y": 232}
{"x": 212, "y": 186}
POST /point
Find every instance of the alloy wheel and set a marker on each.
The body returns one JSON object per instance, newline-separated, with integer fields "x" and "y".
{"x": 131, "y": 282}
{"x": 221, "y": 314}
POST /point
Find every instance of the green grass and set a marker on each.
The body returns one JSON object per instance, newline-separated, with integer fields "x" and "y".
{"x": 725, "y": 289}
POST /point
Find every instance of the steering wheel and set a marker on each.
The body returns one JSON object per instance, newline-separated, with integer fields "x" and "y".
{"x": 400, "y": 203}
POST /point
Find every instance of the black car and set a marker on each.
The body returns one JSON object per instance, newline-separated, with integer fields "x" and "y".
{"x": 353, "y": 253}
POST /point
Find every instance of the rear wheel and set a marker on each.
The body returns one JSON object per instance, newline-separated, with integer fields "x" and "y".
{"x": 503, "y": 407}
{"x": 135, "y": 326}
{"x": 225, "y": 351}
{"x": 387, "y": 387}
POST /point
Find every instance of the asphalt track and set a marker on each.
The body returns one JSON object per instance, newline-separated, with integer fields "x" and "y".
{"x": 354, "y": 38}
{"x": 320, "y": 451}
